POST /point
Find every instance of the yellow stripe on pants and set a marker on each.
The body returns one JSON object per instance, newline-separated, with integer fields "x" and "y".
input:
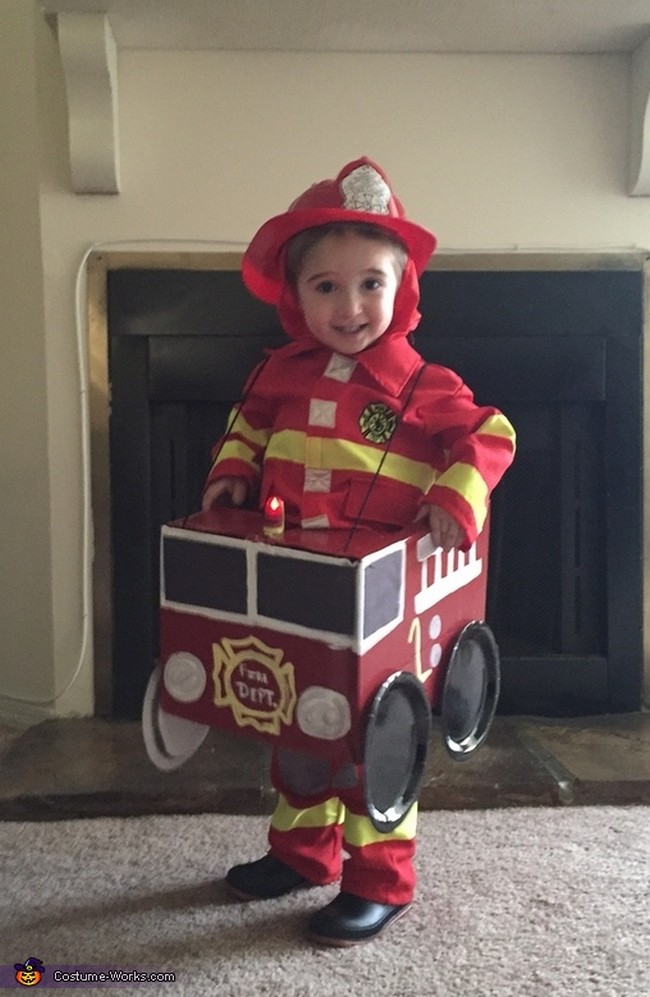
{"x": 286, "y": 817}
{"x": 359, "y": 831}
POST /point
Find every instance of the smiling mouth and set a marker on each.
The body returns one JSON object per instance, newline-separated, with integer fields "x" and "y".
{"x": 351, "y": 330}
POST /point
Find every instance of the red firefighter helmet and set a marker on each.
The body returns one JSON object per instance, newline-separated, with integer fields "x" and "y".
{"x": 360, "y": 193}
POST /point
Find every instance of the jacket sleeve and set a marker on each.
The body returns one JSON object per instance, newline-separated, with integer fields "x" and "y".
{"x": 478, "y": 443}
{"x": 240, "y": 451}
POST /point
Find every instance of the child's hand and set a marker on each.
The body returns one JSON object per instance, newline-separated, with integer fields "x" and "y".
{"x": 445, "y": 531}
{"x": 233, "y": 488}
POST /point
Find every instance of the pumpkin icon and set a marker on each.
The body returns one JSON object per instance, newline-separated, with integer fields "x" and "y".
{"x": 29, "y": 973}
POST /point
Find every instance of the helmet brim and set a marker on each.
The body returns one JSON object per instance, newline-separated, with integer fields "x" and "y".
{"x": 263, "y": 266}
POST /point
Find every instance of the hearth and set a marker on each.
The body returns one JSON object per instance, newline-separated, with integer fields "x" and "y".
{"x": 556, "y": 342}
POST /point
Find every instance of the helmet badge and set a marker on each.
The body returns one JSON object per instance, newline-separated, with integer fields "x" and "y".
{"x": 365, "y": 190}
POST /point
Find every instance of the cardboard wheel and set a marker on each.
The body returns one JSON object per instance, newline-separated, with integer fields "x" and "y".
{"x": 396, "y": 743}
{"x": 170, "y": 741}
{"x": 471, "y": 690}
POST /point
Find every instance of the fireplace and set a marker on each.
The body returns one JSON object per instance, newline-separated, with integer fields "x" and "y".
{"x": 556, "y": 342}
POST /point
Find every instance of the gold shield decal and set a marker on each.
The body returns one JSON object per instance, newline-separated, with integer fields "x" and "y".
{"x": 253, "y": 680}
{"x": 377, "y": 422}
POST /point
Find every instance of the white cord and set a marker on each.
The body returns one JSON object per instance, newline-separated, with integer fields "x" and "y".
{"x": 87, "y": 525}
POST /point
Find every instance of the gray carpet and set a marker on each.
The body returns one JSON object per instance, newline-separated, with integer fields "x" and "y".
{"x": 512, "y": 902}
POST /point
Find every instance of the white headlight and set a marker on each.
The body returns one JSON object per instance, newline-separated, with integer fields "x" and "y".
{"x": 184, "y": 677}
{"x": 323, "y": 713}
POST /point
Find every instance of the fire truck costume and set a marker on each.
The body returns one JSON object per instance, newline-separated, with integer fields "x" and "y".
{"x": 351, "y": 440}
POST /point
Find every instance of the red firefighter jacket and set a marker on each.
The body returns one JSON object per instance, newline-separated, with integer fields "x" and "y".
{"x": 368, "y": 437}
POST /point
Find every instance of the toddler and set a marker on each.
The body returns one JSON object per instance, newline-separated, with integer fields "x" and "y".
{"x": 346, "y": 401}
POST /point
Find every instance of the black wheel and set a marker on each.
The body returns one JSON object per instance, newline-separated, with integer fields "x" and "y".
{"x": 397, "y": 738}
{"x": 471, "y": 691}
{"x": 170, "y": 741}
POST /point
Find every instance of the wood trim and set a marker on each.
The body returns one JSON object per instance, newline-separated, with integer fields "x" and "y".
{"x": 646, "y": 485}
{"x": 540, "y": 261}
{"x": 482, "y": 261}
{"x": 177, "y": 260}
{"x": 99, "y": 401}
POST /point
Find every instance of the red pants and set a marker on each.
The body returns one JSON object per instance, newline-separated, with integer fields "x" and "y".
{"x": 309, "y": 832}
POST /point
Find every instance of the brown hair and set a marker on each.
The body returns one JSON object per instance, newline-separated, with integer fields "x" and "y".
{"x": 301, "y": 244}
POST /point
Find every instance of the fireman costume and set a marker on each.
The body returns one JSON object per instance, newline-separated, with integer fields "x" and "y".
{"x": 351, "y": 440}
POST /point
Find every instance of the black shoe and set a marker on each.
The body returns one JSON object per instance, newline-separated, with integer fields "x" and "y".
{"x": 349, "y": 920}
{"x": 264, "y": 879}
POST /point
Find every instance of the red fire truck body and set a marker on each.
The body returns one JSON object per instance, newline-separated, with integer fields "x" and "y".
{"x": 289, "y": 640}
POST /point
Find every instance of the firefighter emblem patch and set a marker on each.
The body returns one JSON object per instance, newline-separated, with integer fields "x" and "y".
{"x": 256, "y": 682}
{"x": 377, "y": 422}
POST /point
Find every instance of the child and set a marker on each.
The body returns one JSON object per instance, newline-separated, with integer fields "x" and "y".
{"x": 342, "y": 267}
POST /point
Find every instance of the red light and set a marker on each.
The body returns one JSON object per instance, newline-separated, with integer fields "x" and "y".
{"x": 273, "y": 516}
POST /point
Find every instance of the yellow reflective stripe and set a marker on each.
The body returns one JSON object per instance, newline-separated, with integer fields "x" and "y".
{"x": 468, "y": 482}
{"x": 246, "y": 449}
{"x": 497, "y": 425}
{"x": 323, "y": 453}
{"x": 236, "y": 450}
{"x": 286, "y": 817}
{"x": 313, "y": 450}
{"x": 259, "y": 437}
{"x": 359, "y": 831}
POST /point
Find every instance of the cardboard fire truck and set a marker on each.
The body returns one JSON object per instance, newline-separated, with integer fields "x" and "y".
{"x": 329, "y": 642}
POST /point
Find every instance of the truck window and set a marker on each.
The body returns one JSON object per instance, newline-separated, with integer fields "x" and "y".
{"x": 207, "y": 575}
{"x": 383, "y": 592}
{"x": 311, "y": 593}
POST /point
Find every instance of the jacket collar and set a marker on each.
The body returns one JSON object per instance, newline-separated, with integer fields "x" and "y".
{"x": 390, "y": 363}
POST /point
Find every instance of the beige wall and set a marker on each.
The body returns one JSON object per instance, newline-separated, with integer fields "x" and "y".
{"x": 493, "y": 152}
{"x": 488, "y": 150}
{"x": 26, "y": 625}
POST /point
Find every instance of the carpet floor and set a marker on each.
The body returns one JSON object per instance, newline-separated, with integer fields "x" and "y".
{"x": 527, "y": 902}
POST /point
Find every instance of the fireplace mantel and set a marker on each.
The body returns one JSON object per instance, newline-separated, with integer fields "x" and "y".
{"x": 554, "y": 339}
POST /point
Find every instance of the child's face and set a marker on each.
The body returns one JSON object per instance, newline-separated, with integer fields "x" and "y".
{"x": 346, "y": 288}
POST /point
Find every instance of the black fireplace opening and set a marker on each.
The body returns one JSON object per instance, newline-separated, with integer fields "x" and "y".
{"x": 559, "y": 351}
{"x": 551, "y": 598}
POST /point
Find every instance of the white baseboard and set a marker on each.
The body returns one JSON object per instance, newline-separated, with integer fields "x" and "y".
{"x": 18, "y": 714}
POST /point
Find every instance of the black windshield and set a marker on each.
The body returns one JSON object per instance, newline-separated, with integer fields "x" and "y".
{"x": 314, "y": 594}
{"x": 205, "y": 574}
